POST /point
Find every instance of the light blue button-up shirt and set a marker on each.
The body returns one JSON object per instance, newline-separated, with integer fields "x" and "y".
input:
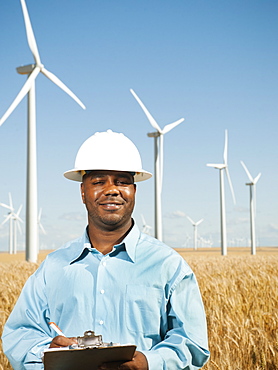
{"x": 142, "y": 293}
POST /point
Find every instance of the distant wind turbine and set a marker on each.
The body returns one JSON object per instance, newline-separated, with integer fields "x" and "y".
{"x": 252, "y": 184}
{"x": 40, "y": 228}
{"x": 146, "y": 228}
{"x": 158, "y": 160}
{"x": 14, "y": 220}
{"x": 32, "y": 71}
{"x": 221, "y": 167}
{"x": 11, "y": 209}
{"x": 195, "y": 224}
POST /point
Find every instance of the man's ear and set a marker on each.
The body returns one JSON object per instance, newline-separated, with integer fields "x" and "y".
{"x": 82, "y": 192}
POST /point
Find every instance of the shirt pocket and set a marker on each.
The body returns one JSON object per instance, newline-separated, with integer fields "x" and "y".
{"x": 142, "y": 309}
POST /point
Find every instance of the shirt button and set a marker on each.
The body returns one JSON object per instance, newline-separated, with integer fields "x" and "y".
{"x": 104, "y": 263}
{"x": 102, "y": 291}
{"x": 101, "y": 322}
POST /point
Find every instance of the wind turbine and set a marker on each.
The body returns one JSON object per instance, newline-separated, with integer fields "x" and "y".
{"x": 8, "y": 217}
{"x": 14, "y": 225}
{"x": 40, "y": 227}
{"x": 252, "y": 184}
{"x": 32, "y": 71}
{"x": 146, "y": 228}
{"x": 158, "y": 136}
{"x": 195, "y": 224}
{"x": 221, "y": 167}
{"x": 16, "y": 220}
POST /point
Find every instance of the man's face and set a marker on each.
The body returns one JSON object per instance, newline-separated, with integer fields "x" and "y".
{"x": 109, "y": 197}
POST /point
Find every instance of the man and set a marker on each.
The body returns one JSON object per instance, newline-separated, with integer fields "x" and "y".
{"x": 114, "y": 280}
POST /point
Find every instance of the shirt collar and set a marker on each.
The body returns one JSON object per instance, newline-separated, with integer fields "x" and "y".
{"x": 130, "y": 243}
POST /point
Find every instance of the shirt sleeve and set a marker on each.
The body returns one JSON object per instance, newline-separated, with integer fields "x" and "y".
{"x": 26, "y": 332}
{"x": 185, "y": 345}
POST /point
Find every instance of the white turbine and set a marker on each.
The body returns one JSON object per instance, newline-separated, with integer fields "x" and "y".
{"x": 146, "y": 228}
{"x": 8, "y": 217}
{"x": 252, "y": 184}
{"x": 158, "y": 160}
{"x": 221, "y": 167}
{"x": 14, "y": 220}
{"x": 40, "y": 228}
{"x": 32, "y": 71}
{"x": 195, "y": 224}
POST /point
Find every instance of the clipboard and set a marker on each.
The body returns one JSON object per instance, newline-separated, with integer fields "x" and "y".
{"x": 86, "y": 358}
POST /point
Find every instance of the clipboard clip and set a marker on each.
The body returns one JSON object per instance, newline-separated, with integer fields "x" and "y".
{"x": 90, "y": 340}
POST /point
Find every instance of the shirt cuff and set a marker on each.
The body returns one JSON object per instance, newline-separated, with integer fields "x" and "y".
{"x": 155, "y": 361}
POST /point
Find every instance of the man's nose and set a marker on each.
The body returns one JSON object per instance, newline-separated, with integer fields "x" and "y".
{"x": 111, "y": 189}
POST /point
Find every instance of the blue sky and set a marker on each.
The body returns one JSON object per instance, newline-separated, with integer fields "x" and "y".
{"x": 212, "y": 62}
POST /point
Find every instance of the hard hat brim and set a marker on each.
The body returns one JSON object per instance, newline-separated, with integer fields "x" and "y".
{"x": 77, "y": 175}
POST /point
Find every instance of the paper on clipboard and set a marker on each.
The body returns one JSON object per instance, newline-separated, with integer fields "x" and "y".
{"x": 86, "y": 358}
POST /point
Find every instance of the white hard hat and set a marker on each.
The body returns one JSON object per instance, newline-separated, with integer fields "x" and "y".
{"x": 109, "y": 151}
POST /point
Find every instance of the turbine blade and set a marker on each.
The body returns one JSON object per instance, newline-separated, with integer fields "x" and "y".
{"x": 170, "y": 126}
{"x": 6, "y": 206}
{"x": 193, "y": 223}
{"x": 230, "y": 184}
{"x": 11, "y": 201}
{"x": 256, "y": 179}
{"x": 143, "y": 220}
{"x": 247, "y": 172}
{"x": 225, "y": 155}
{"x": 30, "y": 34}
{"x": 42, "y": 228}
{"x": 26, "y": 87}
{"x": 40, "y": 214}
{"x": 19, "y": 227}
{"x": 149, "y": 116}
{"x": 198, "y": 222}
{"x": 19, "y": 210}
{"x": 60, "y": 84}
{"x": 8, "y": 217}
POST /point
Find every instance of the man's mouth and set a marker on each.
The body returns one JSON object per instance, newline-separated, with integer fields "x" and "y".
{"x": 111, "y": 206}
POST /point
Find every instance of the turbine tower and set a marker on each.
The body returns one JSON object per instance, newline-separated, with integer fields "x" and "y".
{"x": 32, "y": 71}
{"x": 221, "y": 167}
{"x": 195, "y": 224}
{"x": 158, "y": 136}
{"x": 252, "y": 184}
{"x": 16, "y": 221}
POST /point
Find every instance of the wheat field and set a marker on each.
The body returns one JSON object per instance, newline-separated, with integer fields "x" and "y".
{"x": 240, "y": 294}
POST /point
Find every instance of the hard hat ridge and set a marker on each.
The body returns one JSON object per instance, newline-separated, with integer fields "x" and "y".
{"x": 109, "y": 151}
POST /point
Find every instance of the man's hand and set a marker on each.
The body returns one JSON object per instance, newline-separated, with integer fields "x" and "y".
{"x": 139, "y": 362}
{"x": 61, "y": 341}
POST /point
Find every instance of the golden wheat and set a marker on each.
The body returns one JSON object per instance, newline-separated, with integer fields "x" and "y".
{"x": 240, "y": 295}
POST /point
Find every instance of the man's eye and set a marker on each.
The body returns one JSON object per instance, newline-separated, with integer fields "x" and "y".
{"x": 124, "y": 182}
{"x": 97, "y": 182}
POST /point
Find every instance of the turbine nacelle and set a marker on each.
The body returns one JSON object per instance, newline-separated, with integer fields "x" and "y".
{"x": 195, "y": 223}
{"x": 217, "y": 166}
{"x": 26, "y": 70}
{"x": 253, "y": 181}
